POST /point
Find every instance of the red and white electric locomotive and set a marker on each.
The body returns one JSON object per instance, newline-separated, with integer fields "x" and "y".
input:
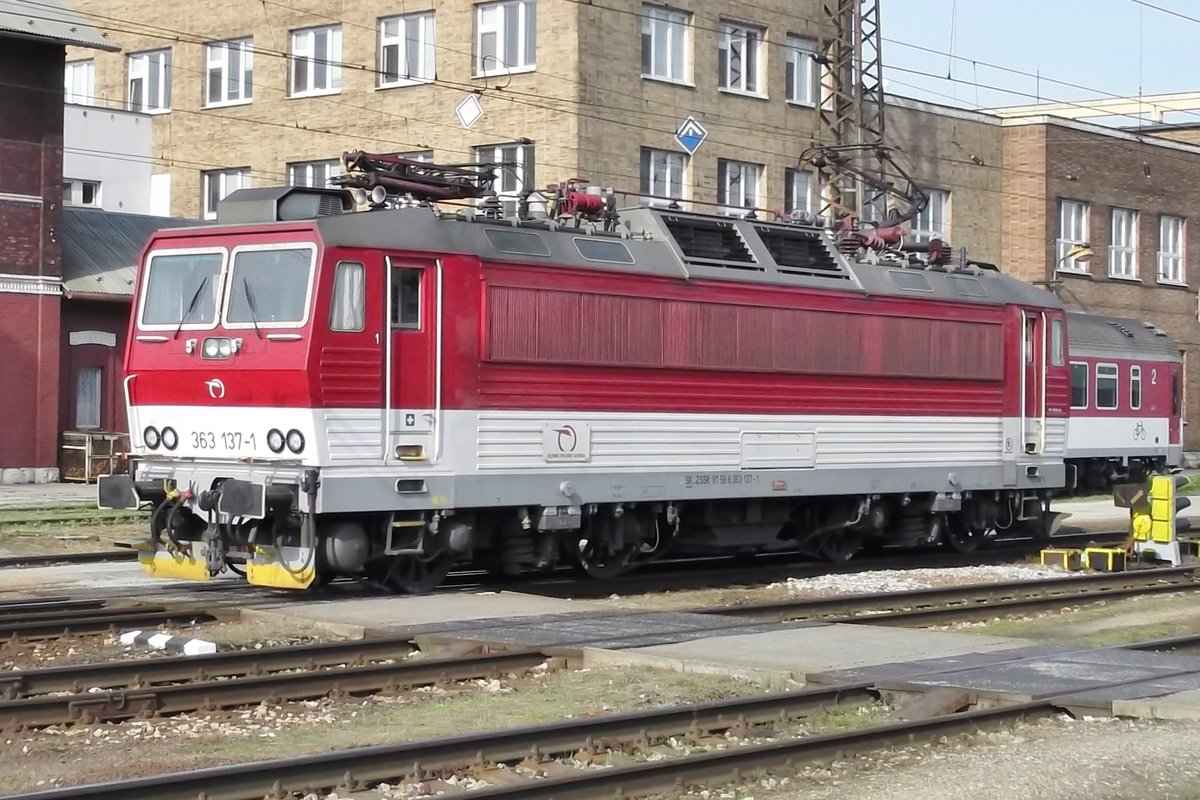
{"x": 316, "y": 391}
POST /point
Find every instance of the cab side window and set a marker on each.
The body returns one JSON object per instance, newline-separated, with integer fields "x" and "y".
{"x": 406, "y": 298}
{"x": 1079, "y": 385}
{"x": 347, "y": 312}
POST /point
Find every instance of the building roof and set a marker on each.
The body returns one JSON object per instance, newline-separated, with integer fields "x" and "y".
{"x": 50, "y": 20}
{"x": 100, "y": 249}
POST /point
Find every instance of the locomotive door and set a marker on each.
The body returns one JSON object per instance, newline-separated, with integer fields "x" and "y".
{"x": 1175, "y": 436}
{"x": 413, "y": 364}
{"x": 1033, "y": 382}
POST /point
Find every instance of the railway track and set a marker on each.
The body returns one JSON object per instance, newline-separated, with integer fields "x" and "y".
{"x": 358, "y": 768}
{"x": 39, "y": 619}
{"x": 54, "y": 559}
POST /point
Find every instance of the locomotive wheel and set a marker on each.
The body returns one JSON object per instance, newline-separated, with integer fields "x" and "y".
{"x": 411, "y": 574}
{"x": 839, "y": 547}
{"x": 961, "y": 539}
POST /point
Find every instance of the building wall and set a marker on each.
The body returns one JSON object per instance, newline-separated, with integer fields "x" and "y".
{"x": 586, "y": 106}
{"x": 112, "y": 147}
{"x": 30, "y": 213}
{"x": 1028, "y": 213}
{"x": 1108, "y": 171}
{"x": 960, "y": 152}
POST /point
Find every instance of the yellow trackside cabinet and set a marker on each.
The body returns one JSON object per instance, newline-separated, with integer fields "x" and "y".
{"x": 1154, "y": 521}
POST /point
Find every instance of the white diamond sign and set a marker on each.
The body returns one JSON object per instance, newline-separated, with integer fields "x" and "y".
{"x": 469, "y": 110}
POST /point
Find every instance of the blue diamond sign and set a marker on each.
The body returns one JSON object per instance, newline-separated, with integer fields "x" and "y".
{"x": 691, "y": 135}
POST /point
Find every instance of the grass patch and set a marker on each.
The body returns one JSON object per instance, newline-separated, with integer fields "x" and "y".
{"x": 1112, "y": 623}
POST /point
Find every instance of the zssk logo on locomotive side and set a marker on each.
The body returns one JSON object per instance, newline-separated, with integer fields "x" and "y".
{"x": 566, "y": 442}
{"x": 216, "y": 388}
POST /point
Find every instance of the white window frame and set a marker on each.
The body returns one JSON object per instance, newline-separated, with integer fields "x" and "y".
{"x": 798, "y": 196}
{"x": 1123, "y": 245}
{"x": 666, "y": 32}
{"x": 328, "y": 64}
{"x": 1172, "y": 240}
{"x": 801, "y": 72}
{"x": 933, "y": 222}
{"x": 1112, "y": 373}
{"x": 737, "y": 183}
{"x": 1087, "y": 386}
{"x": 494, "y": 19}
{"x": 749, "y": 39}
{"x": 73, "y": 189}
{"x": 511, "y": 182}
{"x": 217, "y": 59}
{"x": 417, "y": 31}
{"x": 79, "y": 82}
{"x": 229, "y": 180}
{"x": 1135, "y": 379}
{"x": 307, "y": 172}
{"x": 143, "y": 66}
{"x": 667, "y": 169}
{"x": 424, "y": 156}
{"x": 1073, "y": 223}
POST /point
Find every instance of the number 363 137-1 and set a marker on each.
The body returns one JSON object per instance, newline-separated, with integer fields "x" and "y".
{"x": 222, "y": 440}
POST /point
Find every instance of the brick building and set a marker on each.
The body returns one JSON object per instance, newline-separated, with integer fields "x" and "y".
{"x": 33, "y": 37}
{"x": 244, "y": 94}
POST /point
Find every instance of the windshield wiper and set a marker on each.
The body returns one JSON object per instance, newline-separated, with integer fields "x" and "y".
{"x": 253, "y": 308}
{"x": 191, "y": 306}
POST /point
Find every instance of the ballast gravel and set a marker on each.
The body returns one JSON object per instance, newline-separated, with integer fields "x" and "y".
{"x": 891, "y": 580}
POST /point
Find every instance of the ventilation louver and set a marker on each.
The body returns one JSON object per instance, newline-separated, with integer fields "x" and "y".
{"x": 800, "y": 252}
{"x": 711, "y": 241}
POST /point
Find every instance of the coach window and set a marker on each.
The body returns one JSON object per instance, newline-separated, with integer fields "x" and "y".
{"x": 1106, "y": 386}
{"x": 406, "y": 298}
{"x": 1057, "y": 351}
{"x": 1135, "y": 388}
{"x": 1079, "y": 385}
{"x": 348, "y": 310}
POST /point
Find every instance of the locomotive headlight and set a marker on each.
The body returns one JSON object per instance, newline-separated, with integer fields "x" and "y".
{"x": 170, "y": 439}
{"x": 150, "y": 437}
{"x": 275, "y": 440}
{"x": 295, "y": 441}
{"x": 217, "y": 347}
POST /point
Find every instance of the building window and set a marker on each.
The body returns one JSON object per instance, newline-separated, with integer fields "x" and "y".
{"x": 739, "y": 187}
{"x": 801, "y": 71}
{"x": 348, "y": 312}
{"x": 1122, "y": 249}
{"x": 316, "y": 61}
{"x": 514, "y": 171}
{"x": 89, "y": 383}
{"x": 1135, "y": 388}
{"x": 664, "y": 43}
{"x": 406, "y": 50}
{"x": 1106, "y": 386}
{"x": 81, "y": 193}
{"x": 1072, "y": 233}
{"x": 1170, "y": 249}
{"x": 505, "y": 37}
{"x": 230, "y": 77}
{"x": 425, "y": 156}
{"x": 740, "y": 58}
{"x": 313, "y": 173}
{"x": 663, "y": 176}
{"x": 798, "y": 193}
{"x": 1079, "y": 385}
{"x": 218, "y": 184}
{"x": 150, "y": 81}
{"x": 79, "y": 82}
{"x": 931, "y": 222}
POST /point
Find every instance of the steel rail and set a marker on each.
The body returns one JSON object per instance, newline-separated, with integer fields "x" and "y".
{"x": 305, "y": 685}
{"x": 381, "y": 762}
{"x": 1180, "y": 578}
{"x": 15, "y": 608}
{"x": 104, "y": 620}
{"x": 235, "y": 663}
{"x": 53, "y": 559}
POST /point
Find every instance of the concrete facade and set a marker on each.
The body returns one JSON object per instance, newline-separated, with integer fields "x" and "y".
{"x": 586, "y": 107}
{"x": 109, "y": 147}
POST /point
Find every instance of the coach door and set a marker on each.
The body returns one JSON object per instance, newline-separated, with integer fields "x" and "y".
{"x": 1033, "y": 382}
{"x": 413, "y": 362}
{"x": 1175, "y": 436}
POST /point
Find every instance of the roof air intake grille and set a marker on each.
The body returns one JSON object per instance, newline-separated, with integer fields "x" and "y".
{"x": 711, "y": 241}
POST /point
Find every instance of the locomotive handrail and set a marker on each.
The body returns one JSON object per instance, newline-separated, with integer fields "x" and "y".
{"x": 437, "y": 374}
{"x": 134, "y": 427}
{"x": 1042, "y": 426}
